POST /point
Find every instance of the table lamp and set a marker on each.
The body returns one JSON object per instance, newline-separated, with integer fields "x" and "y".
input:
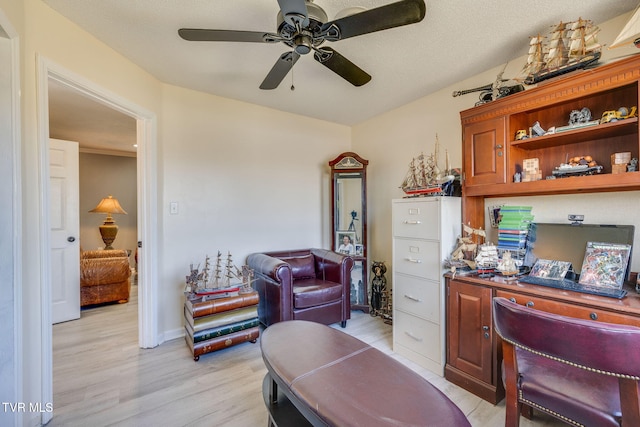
{"x": 109, "y": 229}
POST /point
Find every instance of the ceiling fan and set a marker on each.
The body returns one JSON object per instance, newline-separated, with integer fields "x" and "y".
{"x": 304, "y": 27}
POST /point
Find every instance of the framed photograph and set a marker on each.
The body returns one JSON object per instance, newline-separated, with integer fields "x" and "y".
{"x": 359, "y": 250}
{"x": 605, "y": 264}
{"x": 346, "y": 242}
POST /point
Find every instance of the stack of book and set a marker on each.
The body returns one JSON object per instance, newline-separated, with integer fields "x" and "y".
{"x": 214, "y": 321}
{"x": 512, "y": 231}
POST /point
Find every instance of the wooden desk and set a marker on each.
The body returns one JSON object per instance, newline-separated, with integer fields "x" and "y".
{"x": 474, "y": 351}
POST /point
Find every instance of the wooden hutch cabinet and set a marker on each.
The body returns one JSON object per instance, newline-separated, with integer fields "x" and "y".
{"x": 491, "y": 155}
{"x": 472, "y": 342}
{"x": 484, "y": 160}
{"x": 491, "y": 158}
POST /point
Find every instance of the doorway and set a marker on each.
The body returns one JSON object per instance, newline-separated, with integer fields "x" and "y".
{"x": 146, "y": 124}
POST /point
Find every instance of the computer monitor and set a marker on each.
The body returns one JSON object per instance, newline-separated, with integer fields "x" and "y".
{"x": 568, "y": 242}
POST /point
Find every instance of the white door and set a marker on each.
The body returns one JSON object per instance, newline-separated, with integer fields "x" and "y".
{"x": 65, "y": 230}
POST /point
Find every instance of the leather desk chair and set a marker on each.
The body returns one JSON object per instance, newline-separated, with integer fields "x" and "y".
{"x": 582, "y": 372}
{"x": 302, "y": 284}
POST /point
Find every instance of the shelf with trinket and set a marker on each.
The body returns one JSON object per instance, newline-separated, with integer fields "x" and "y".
{"x": 579, "y": 134}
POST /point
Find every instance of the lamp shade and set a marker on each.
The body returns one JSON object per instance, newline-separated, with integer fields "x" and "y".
{"x": 630, "y": 33}
{"x": 109, "y": 229}
{"x": 109, "y": 205}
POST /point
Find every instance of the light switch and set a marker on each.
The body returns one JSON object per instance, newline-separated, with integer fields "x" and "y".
{"x": 173, "y": 208}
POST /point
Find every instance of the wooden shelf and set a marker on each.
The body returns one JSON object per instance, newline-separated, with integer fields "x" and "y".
{"x": 591, "y": 133}
{"x": 575, "y": 184}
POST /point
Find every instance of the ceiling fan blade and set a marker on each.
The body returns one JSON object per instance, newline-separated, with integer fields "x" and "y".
{"x": 279, "y": 70}
{"x": 397, "y": 14}
{"x": 294, "y": 11}
{"x": 341, "y": 66}
{"x": 201, "y": 35}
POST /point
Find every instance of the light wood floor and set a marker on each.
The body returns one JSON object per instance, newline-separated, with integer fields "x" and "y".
{"x": 102, "y": 378}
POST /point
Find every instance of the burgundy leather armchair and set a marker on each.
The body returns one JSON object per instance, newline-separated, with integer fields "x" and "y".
{"x": 303, "y": 284}
{"x": 582, "y": 372}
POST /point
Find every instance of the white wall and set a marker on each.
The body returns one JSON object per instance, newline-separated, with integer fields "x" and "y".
{"x": 246, "y": 179}
{"x": 390, "y": 140}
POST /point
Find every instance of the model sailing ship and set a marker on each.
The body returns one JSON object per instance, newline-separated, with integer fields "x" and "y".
{"x": 487, "y": 258}
{"x": 571, "y": 46}
{"x": 202, "y": 283}
{"x": 507, "y": 266}
{"x": 424, "y": 176}
{"x": 464, "y": 254}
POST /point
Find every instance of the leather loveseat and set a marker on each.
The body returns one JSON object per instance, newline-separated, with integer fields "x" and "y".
{"x": 104, "y": 277}
{"x": 303, "y": 284}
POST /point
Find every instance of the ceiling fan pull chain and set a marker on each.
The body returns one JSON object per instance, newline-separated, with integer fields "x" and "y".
{"x": 292, "y": 86}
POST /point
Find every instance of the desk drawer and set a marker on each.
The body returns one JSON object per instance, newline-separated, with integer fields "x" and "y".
{"x": 417, "y": 296}
{"x": 417, "y": 257}
{"x": 418, "y": 335}
{"x": 565, "y": 309}
{"x": 418, "y": 220}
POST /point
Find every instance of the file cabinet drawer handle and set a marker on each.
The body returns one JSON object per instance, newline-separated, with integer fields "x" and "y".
{"x": 412, "y": 298}
{"x": 415, "y": 261}
{"x": 412, "y": 222}
{"x": 410, "y": 335}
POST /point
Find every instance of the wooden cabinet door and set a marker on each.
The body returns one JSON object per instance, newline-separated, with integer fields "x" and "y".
{"x": 484, "y": 152}
{"x": 469, "y": 329}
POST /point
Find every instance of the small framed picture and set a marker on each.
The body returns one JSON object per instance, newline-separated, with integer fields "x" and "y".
{"x": 345, "y": 242}
{"x": 359, "y": 249}
{"x": 494, "y": 215}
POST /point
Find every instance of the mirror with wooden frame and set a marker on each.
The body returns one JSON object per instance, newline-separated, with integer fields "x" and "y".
{"x": 349, "y": 219}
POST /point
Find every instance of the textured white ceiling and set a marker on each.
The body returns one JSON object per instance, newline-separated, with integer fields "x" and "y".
{"x": 457, "y": 39}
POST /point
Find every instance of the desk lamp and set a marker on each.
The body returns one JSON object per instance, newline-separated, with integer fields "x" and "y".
{"x": 109, "y": 229}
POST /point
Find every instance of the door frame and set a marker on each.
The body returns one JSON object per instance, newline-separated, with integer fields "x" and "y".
{"x": 12, "y": 390}
{"x": 146, "y": 130}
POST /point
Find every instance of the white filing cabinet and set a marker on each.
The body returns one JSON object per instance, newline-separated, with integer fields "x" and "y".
{"x": 424, "y": 234}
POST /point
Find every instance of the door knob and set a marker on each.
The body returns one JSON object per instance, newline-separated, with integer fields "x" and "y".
{"x": 71, "y": 239}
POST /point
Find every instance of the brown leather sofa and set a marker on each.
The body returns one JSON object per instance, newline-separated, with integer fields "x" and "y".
{"x": 303, "y": 284}
{"x": 104, "y": 277}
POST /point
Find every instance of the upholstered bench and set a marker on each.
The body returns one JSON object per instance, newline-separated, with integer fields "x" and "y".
{"x": 334, "y": 379}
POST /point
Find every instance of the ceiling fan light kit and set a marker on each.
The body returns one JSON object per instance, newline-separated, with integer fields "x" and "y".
{"x": 303, "y": 26}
